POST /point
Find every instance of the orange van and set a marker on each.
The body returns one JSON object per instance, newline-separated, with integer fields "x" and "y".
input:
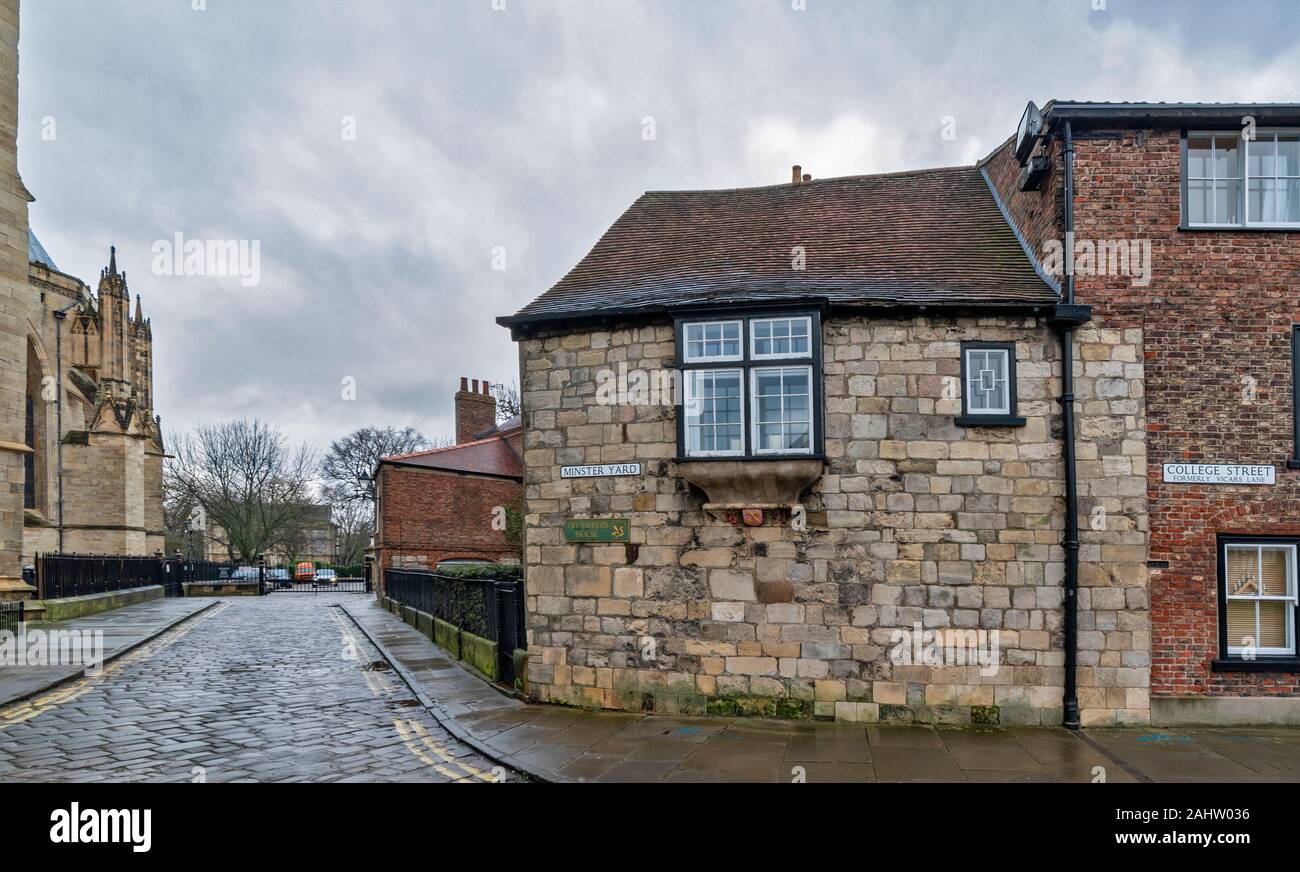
{"x": 304, "y": 571}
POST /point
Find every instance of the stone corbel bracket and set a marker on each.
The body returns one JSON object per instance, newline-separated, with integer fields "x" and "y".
{"x": 730, "y": 486}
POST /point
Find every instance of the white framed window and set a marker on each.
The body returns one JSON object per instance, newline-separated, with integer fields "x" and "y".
{"x": 771, "y": 338}
{"x": 1232, "y": 181}
{"x": 988, "y": 378}
{"x": 1273, "y": 178}
{"x": 713, "y": 341}
{"x": 1259, "y": 598}
{"x": 781, "y": 398}
{"x": 714, "y": 412}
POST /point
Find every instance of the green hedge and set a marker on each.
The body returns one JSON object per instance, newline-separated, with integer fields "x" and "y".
{"x": 500, "y": 571}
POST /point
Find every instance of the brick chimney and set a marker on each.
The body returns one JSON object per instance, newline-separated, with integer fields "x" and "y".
{"x": 476, "y": 409}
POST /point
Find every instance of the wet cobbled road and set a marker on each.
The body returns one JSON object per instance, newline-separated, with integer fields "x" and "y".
{"x": 275, "y": 688}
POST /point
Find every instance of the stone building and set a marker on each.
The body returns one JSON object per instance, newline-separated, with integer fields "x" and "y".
{"x": 826, "y": 417}
{"x": 14, "y": 305}
{"x": 448, "y": 504}
{"x": 80, "y": 450}
{"x": 93, "y": 480}
{"x": 313, "y": 538}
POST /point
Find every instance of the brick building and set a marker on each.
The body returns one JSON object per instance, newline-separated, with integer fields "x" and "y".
{"x": 450, "y": 503}
{"x": 1212, "y": 190}
{"x": 820, "y": 481}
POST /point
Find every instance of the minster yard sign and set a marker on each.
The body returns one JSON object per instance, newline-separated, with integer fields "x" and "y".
{"x": 1219, "y": 473}
{"x": 600, "y": 470}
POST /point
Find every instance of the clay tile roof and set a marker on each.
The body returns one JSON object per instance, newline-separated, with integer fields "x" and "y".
{"x": 922, "y": 237}
{"x": 491, "y": 456}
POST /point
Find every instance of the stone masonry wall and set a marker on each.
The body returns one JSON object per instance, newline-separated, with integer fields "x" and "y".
{"x": 915, "y": 521}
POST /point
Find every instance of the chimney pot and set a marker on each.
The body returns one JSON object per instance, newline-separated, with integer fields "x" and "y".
{"x": 486, "y": 388}
{"x": 807, "y": 177}
{"x": 475, "y": 384}
{"x": 795, "y": 174}
{"x": 464, "y": 383}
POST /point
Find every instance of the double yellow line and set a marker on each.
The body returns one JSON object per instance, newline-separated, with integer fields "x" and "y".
{"x": 65, "y": 693}
{"x": 413, "y": 734}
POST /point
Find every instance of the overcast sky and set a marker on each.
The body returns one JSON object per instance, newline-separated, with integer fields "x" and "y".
{"x": 523, "y": 128}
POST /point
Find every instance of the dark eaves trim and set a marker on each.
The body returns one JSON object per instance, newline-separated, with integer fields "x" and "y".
{"x": 465, "y": 473}
{"x": 1169, "y": 115}
{"x": 523, "y": 326}
{"x": 1020, "y": 237}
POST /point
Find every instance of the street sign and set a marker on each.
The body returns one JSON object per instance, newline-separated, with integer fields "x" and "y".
{"x": 598, "y": 530}
{"x": 600, "y": 470}
{"x": 1219, "y": 473}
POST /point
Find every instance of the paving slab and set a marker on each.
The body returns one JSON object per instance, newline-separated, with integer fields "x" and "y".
{"x": 553, "y": 743}
{"x": 122, "y": 629}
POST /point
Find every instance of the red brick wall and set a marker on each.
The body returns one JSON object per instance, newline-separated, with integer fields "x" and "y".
{"x": 441, "y": 515}
{"x": 1217, "y": 315}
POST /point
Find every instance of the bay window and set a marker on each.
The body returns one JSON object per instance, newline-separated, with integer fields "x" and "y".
{"x": 751, "y": 385}
{"x": 1230, "y": 180}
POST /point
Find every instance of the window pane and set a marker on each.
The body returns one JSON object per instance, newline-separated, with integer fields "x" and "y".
{"x": 1288, "y": 200}
{"x": 713, "y": 410}
{"x": 986, "y": 377}
{"x": 1226, "y": 164}
{"x": 1226, "y": 195}
{"x": 1275, "y": 572}
{"x": 1198, "y": 202}
{"x": 1260, "y": 204}
{"x": 1288, "y": 154}
{"x": 1241, "y": 624}
{"x": 1262, "y": 158}
{"x": 781, "y": 337}
{"x": 1198, "y": 157}
{"x": 782, "y": 399}
{"x": 712, "y": 339}
{"x": 1243, "y": 571}
{"x": 1272, "y": 623}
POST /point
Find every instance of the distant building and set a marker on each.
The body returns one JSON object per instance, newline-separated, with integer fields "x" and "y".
{"x": 450, "y": 503}
{"x": 315, "y": 540}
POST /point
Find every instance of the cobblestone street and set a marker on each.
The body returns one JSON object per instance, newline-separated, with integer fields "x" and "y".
{"x": 276, "y": 688}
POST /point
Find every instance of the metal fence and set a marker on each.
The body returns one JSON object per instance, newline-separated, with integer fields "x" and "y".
{"x": 12, "y": 616}
{"x": 339, "y": 585}
{"x": 487, "y": 607}
{"x": 64, "y": 575}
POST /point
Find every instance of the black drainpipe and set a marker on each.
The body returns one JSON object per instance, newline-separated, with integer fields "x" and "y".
{"x": 1071, "y": 540}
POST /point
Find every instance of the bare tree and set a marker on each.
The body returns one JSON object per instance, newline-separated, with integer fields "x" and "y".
{"x": 252, "y": 485}
{"x": 507, "y": 397}
{"x": 351, "y": 461}
{"x": 355, "y": 522}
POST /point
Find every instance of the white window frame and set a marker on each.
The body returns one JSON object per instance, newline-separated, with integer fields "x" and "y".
{"x": 968, "y": 370}
{"x": 754, "y": 424}
{"x": 753, "y": 339}
{"x": 1243, "y": 192}
{"x": 721, "y": 358}
{"x": 1259, "y": 548}
{"x": 689, "y": 399}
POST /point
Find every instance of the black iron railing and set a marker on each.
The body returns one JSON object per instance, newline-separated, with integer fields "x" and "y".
{"x": 487, "y": 607}
{"x": 64, "y": 575}
{"x": 12, "y": 616}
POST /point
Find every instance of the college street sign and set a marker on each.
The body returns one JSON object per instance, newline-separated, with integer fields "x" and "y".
{"x": 1219, "y": 473}
{"x": 600, "y": 470}
{"x": 598, "y": 530}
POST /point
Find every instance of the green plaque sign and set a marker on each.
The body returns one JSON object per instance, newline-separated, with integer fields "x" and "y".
{"x": 598, "y": 530}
